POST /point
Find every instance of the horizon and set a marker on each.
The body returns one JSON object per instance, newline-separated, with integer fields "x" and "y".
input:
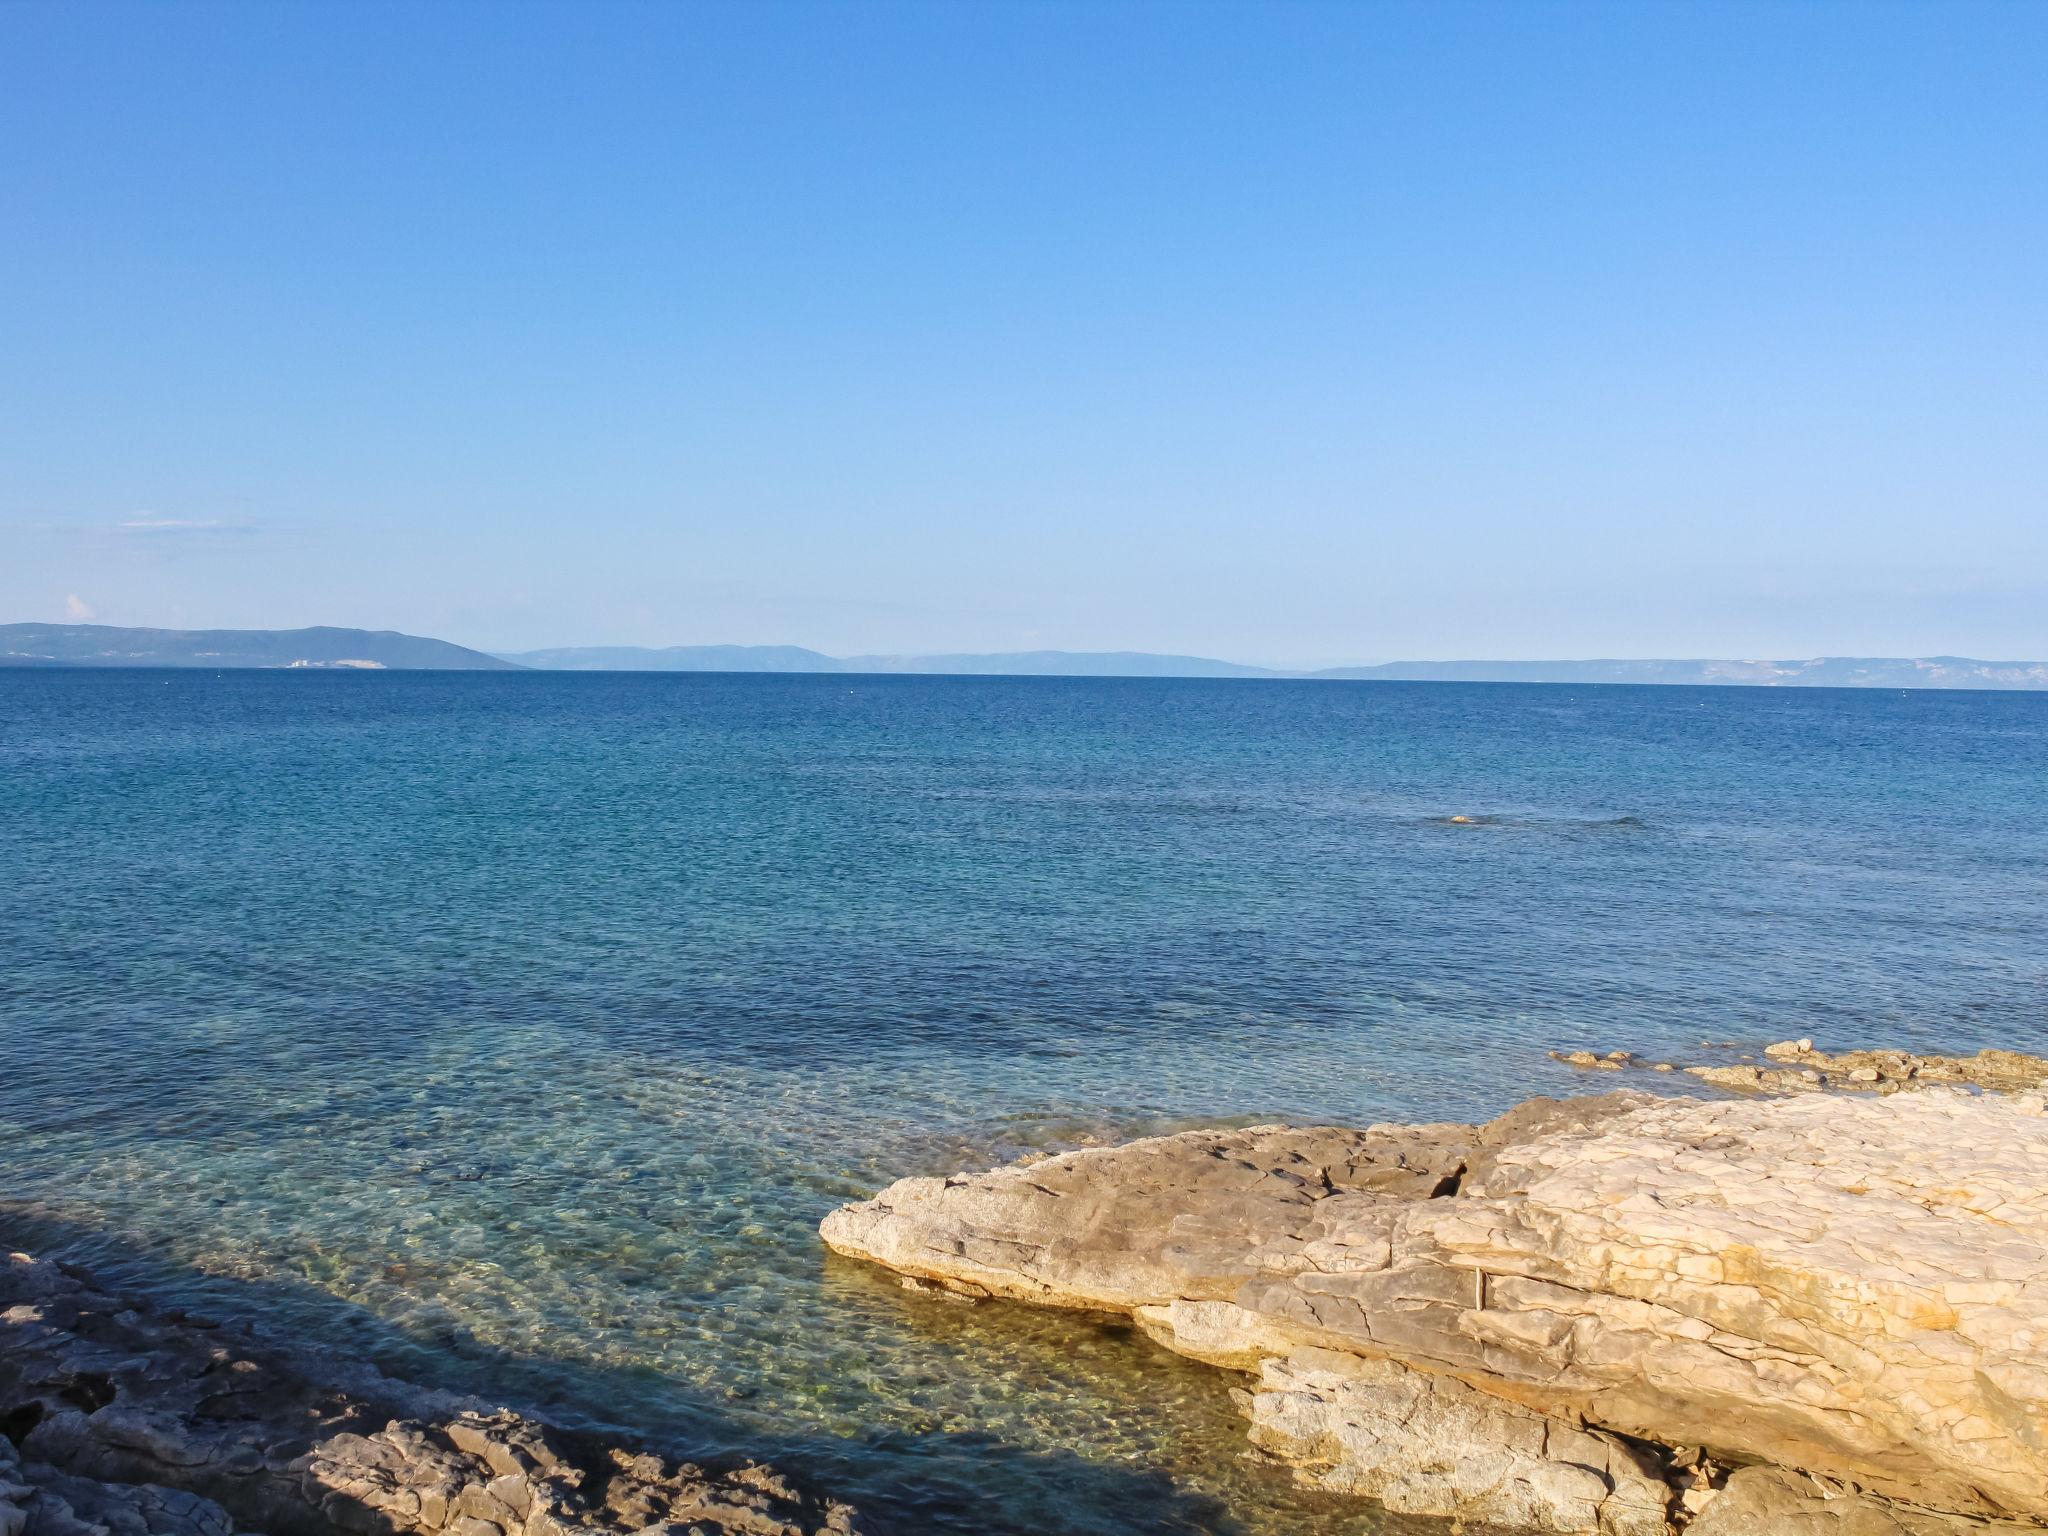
{"x": 533, "y": 657}
{"x": 1288, "y": 333}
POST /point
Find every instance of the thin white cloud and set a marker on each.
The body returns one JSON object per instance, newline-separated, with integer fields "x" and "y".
{"x": 149, "y": 522}
{"x": 77, "y": 607}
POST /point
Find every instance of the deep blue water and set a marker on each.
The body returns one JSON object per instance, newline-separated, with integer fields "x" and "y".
{"x": 518, "y": 1029}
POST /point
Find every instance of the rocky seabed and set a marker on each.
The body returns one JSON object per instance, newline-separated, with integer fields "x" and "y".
{"x": 1788, "y": 1312}
{"x": 117, "y": 1419}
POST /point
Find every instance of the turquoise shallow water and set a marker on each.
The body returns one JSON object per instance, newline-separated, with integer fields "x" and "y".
{"x": 517, "y": 1029}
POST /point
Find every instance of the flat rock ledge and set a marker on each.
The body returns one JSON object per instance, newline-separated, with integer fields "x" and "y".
{"x": 117, "y": 1419}
{"x": 1581, "y": 1317}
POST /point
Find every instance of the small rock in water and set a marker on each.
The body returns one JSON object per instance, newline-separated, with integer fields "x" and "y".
{"x": 1794, "y": 1066}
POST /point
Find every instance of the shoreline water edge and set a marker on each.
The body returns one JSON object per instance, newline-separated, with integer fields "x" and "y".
{"x": 1816, "y": 1303}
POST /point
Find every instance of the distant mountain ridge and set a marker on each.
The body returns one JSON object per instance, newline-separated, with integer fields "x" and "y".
{"x": 676, "y": 658}
{"x": 1059, "y": 664}
{"x": 794, "y": 658}
{"x": 1816, "y": 672}
{"x": 325, "y": 647}
{"x": 1812, "y": 672}
{"x": 105, "y": 645}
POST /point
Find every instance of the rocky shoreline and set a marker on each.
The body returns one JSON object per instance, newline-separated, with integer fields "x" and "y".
{"x": 1787, "y": 1309}
{"x": 1794, "y": 1066}
{"x": 1791, "y": 1311}
{"x": 121, "y": 1419}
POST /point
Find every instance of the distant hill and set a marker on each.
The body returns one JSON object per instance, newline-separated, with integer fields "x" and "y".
{"x": 1819, "y": 672}
{"x": 677, "y": 658}
{"x": 1058, "y": 664}
{"x": 794, "y": 658}
{"x": 104, "y": 645}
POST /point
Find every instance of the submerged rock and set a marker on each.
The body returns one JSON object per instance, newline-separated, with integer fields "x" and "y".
{"x": 2000, "y": 1071}
{"x": 1853, "y": 1287}
{"x": 120, "y": 1420}
{"x": 1748, "y": 1079}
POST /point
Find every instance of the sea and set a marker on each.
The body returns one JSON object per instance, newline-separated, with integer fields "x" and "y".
{"x": 514, "y": 1030}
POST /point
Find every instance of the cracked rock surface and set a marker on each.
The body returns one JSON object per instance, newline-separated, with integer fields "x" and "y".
{"x": 1429, "y": 1444}
{"x": 1855, "y": 1287}
{"x": 118, "y": 1420}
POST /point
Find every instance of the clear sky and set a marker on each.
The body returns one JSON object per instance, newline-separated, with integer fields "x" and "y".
{"x": 1295, "y": 333}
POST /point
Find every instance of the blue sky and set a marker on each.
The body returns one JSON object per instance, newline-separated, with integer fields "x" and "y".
{"x": 1296, "y": 333}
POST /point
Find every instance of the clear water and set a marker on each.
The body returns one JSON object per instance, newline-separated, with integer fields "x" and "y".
{"x": 517, "y": 1030}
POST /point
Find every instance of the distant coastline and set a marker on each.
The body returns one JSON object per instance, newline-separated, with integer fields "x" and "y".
{"x": 326, "y": 647}
{"x": 323, "y": 646}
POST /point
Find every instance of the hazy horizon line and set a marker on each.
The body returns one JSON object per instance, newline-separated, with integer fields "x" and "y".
{"x": 514, "y": 653}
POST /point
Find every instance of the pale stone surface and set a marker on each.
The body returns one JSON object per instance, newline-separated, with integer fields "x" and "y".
{"x": 1171, "y": 1217}
{"x": 1423, "y": 1444}
{"x": 1856, "y": 1287}
{"x": 121, "y": 1421}
{"x": 1767, "y": 1501}
{"x": 1850, "y": 1286}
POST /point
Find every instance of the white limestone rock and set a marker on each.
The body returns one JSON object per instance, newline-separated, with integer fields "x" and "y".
{"x": 1850, "y": 1286}
{"x": 1422, "y": 1444}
